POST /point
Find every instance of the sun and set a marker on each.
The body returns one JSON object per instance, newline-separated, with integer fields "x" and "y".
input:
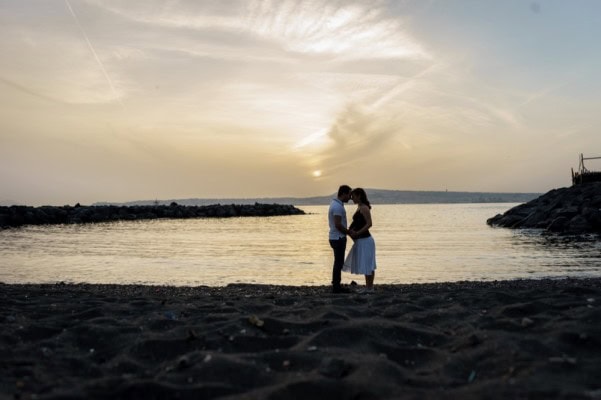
{"x": 316, "y": 173}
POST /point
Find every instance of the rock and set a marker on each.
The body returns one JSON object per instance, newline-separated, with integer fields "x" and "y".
{"x": 527, "y": 322}
{"x": 15, "y": 216}
{"x": 254, "y": 320}
{"x": 579, "y": 224}
{"x": 558, "y": 224}
{"x": 563, "y": 360}
{"x": 573, "y": 210}
{"x": 593, "y": 216}
{"x": 334, "y": 368}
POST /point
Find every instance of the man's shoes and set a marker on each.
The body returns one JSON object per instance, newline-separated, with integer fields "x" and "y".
{"x": 340, "y": 289}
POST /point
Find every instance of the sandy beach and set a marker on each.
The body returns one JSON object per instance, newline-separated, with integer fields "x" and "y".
{"x": 528, "y": 339}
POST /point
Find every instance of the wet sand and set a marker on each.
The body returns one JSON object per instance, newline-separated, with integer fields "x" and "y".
{"x": 531, "y": 339}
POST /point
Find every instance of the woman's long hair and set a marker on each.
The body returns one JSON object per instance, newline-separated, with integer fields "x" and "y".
{"x": 362, "y": 196}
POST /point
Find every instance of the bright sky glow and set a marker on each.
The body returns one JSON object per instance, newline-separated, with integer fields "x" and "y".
{"x": 114, "y": 100}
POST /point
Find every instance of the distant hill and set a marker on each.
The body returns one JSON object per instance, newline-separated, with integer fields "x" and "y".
{"x": 7, "y": 203}
{"x": 376, "y": 196}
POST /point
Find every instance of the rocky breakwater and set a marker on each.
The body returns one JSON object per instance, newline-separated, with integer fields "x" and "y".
{"x": 15, "y": 216}
{"x": 573, "y": 210}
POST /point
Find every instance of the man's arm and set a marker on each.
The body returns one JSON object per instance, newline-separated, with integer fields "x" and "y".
{"x": 338, "y": 224}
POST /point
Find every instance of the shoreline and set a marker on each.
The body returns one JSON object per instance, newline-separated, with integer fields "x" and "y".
{"x": 484, "y": 339}
{"x": 267, "y": 288}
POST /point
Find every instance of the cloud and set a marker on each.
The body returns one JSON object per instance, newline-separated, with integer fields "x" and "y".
{"x": 370, "y": 122}
{"x": 356, "y": 135}
{"x": 93, "y": 50}
{"x": 344, "y": 29}
{"x": 31, "y": 91}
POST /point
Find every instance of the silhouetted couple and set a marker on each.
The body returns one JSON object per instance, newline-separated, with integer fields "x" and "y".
{"x": 361, "y": 259}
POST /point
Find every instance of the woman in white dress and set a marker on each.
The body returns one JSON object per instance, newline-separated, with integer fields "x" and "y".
{"x": 361, "y": 259}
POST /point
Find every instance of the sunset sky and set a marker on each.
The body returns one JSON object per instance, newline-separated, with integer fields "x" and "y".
{"x": 107, "y": 100}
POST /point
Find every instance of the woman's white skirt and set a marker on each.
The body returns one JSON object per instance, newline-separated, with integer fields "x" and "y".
{"x": 361, "y": 259}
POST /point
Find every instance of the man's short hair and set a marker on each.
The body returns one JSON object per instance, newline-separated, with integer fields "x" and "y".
{"x": 344, "y": 189}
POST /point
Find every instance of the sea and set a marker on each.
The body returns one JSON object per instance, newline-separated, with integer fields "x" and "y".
{"x": 415, "y": 243}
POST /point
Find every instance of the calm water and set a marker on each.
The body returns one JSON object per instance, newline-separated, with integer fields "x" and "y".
{"x": 414, "y": 243}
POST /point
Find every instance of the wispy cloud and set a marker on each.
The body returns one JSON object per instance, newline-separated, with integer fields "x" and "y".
{"x": 342, "y": 29}
{"x": 541, "y": 94}
{"x": 355, "y": 136}
{"x": 366, "y": 124}
{"x": 31, "y": 91}
{"x": 354, "y": 30}
{"x": 93, "y": 51}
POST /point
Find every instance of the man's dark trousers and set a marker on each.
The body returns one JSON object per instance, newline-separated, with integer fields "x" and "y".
{"x": 339, "y": 247}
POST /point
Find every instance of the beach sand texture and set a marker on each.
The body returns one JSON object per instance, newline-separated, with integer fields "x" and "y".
{"x": 492, "y": 340}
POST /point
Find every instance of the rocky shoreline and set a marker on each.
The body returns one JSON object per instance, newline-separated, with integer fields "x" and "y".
{"x": 15, "y": 216}
{"x": 573, "y": 210}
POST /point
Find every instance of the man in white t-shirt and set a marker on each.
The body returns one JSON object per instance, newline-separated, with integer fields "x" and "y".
{"x": 338, "y": 232}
